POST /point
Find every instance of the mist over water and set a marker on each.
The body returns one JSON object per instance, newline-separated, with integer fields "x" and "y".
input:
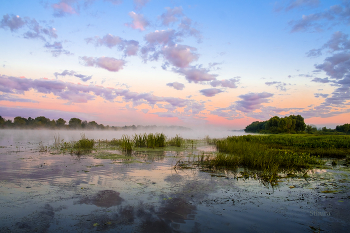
{"x": 47, "y": 137}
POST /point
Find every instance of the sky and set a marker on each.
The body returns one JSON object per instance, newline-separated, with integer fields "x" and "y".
{"x": 176, "y": 62}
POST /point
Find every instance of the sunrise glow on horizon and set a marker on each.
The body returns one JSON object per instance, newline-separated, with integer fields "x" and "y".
{"x": 187, "y": 63}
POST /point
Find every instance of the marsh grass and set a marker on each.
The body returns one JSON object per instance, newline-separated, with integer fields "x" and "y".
{"x": 176, "y": 141}
{"x": 155, "y": 140}
{"x": 335, "y": 146}
{"x": 262, "y": 157}
{"x": 82, "y": 146}
{"x": 140, "y": 140}
{"x": 247, "y": 152}
{"x": 126, "y": 144}
{"x": 43, "y": 148}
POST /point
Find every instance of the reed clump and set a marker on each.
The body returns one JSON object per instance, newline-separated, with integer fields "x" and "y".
{"x": 335, "y": 146}
{"x": 140, "y": 140}
{"x": 155, "y": 140}
{"x": 247, "y": 151}
{"x": 126, "y": 143}
{"x": 84, "y": 144}
{"x": 176, "y": 141}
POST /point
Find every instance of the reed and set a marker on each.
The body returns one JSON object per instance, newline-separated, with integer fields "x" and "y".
{"x": 249, "y": 152}
{"x": 126, "y": 143}
{"x": 176, "y": 141}
{"x": 140, "y": 140}
{"x": 324, "y": 146}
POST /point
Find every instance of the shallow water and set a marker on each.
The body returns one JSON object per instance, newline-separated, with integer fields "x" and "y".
{"x": 45, "y": 192}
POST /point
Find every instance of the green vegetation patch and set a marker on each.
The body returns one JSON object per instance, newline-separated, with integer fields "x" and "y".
{"x": 107, "y": 155}
{"x": 330, "y": 191}
{"x": 176, "y": 141}
{"x": 335, "y": 146}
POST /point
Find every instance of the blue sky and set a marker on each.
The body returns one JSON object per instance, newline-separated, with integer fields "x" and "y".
{"x": 191, "y": 63}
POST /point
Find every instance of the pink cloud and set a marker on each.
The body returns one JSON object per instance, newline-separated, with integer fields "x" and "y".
{"x": 108, "y": 63}
{"x": 139, "y": 21}
{"x": 77, "y": 93}
{"x": 129, "y": 47}
{"x": 171, "y": 15}
{"x": 210, "y": 92}
{"x": 63, "y": 8}
{"x": 13, "y": 22}
{"x": 176, "y": 85}
{"x": 193, "y": 74}
{"x": 252, "y": 101}
{"x": 230, "y": 83}
{"x": 160, "y": 37}
{"x": 180, "y": 55}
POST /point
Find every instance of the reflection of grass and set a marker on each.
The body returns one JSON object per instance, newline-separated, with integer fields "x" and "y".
{"x": 168, "y": 148}
{"x": 126, "y": 159}
{"x": 106, "y": 155}
{"x": 329, "y": 191}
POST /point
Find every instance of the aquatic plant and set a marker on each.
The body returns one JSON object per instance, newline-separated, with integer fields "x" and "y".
{"x": 84, "y": 144}
{"x": 324, "y": 146}
{"x": 247, "y": 151}
{"x": 126, "y": 143}
{"x": 42, "y": 148}
{"x": 114, "y": 142}
{"x": 176, "y": 141}
{"x": 140, "y": 140}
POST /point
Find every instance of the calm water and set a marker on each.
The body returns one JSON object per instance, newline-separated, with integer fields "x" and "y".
{"x": 45, "y": 192}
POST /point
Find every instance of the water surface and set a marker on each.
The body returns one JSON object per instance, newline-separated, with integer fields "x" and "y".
{"x": 49, "y": 192}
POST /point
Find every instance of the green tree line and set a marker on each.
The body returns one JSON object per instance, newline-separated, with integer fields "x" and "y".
{"x": 291, "y": 124}
{"x": 43, "y": 122}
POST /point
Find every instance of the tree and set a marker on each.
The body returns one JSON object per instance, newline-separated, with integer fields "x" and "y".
{"x": 287, "y": 124}
{"x": 19, "y": 121}
{"x": 92, "y": 125}
{"x": 308, "y": 129}
{"x": 8, "y": 123}
{"x": 60, "y": 122}
{"x": 2, "y": 121}
{"x": 272, "y": 124}
{"x": 84, "y": 124}
{"x": 42, "y": 121}
{"x": 74, "y": 123}
{"x": 300, "y": 124}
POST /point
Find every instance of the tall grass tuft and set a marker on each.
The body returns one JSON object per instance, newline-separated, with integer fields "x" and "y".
{"x": 243, "y": 151}
{"x": 176, "y": 141}
{"x": 126, "y": 143}
{"x": 140, "y": 140}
